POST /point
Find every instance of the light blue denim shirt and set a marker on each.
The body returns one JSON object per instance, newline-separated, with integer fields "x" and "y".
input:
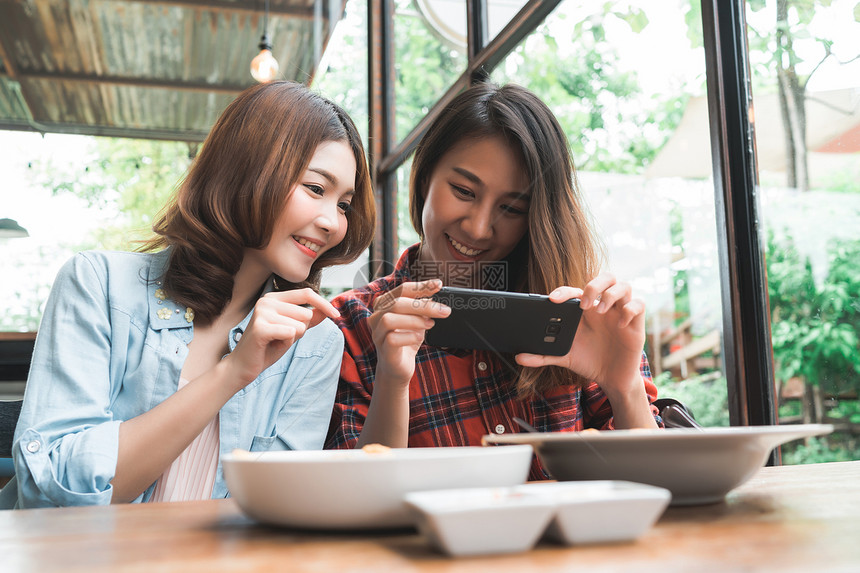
{"x": 110, "y": 348}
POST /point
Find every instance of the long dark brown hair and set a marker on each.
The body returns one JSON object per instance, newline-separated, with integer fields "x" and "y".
{"x": 559, "y": 247}
{"x": 237, "y": 188}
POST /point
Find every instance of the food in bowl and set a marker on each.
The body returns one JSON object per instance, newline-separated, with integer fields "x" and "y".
{"x": 376, "y": 449}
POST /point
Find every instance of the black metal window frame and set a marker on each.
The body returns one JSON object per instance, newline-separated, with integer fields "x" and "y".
{"x": 747, "y": 348}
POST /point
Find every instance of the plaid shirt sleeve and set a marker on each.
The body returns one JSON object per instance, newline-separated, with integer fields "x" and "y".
{"x": 359, "y": 364}
{"x": 598, "y": 411}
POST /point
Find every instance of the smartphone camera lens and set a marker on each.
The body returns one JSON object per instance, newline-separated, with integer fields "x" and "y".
{"x": 553, "y": 329}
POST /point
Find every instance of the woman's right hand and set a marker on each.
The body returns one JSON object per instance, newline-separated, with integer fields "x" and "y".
{"x": 398, "y": 323}
{"x": 278, "y": 321}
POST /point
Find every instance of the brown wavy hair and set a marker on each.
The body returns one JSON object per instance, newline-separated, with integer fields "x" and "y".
{"x": 560, "y": 246}
{"x": 238, "y": 185}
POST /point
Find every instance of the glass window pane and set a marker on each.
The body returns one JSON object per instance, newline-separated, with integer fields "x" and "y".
{"x": 448, "y": 18}
{"x": 805, "y": 61}
{"x": 342, "y": 77}
{"x": 74, "y": 193}
{"x": 406, "y": 233}
{"x": 427, "y": 58}
{"x": 499, "y": 13}
{"x": 638, "y": 130}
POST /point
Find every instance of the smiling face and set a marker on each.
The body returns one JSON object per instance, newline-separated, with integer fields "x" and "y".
{"x": 477, "y": 203}
{"x": 314, "y": 216}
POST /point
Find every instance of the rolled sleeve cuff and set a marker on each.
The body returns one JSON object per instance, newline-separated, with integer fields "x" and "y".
{"x": 74, "y": 470}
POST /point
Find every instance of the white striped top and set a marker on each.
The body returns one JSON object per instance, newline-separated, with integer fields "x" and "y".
{"x": 192, "y": 475}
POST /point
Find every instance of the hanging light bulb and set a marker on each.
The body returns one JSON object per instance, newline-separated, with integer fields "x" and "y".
{"x": 264, "y": 66}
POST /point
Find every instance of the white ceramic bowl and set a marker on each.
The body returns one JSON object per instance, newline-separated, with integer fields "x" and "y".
{"x": 600, "y": 511}
{"x": 354, "y": 489}
{"x": 697, "y": 466}
{"x": 479, "y": 521}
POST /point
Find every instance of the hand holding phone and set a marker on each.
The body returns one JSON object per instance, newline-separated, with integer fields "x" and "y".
{"x": 505, "y": 322}
{"x": 609, "y": 339}
{"x": 398, "y": 324}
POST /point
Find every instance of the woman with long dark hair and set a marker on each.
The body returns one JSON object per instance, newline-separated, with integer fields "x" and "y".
{"x": 492, "y": 184}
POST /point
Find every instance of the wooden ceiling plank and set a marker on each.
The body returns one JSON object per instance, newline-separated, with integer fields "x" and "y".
{"x": 187, "y": 46}
{"x": 68, "y": 56}
{"x": 83, "y": 36}
{"x": 236, "y": 59}
{"x": 96, "y": 45}
{"x": 8, "y": 64}
{"x": 220, "y": 51}
{"x": 225, "y": 6}
{"x": 88, "y": 22}
{"x": 48, "y": 21}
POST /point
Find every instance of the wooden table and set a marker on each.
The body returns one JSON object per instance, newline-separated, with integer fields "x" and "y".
{"x": 789, "y": 518}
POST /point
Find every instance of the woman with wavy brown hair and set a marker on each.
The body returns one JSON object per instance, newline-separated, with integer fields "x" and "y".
{"x": 492, "y": 184}
{"x": 213, "y": 337}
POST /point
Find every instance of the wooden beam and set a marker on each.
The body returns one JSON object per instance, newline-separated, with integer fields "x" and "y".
{"x": 228, "y": 7}
{"x": 164, "y": 134}
{"x": 179, "y": 85}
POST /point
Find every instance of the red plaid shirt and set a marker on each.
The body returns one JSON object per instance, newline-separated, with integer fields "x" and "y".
{"x": 456, "y": 396}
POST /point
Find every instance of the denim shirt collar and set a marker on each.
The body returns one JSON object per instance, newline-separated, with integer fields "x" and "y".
{"x": 165, "y": 313}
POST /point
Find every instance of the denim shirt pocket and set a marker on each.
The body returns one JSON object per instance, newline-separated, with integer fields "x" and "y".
{"x": 265, "y": 443}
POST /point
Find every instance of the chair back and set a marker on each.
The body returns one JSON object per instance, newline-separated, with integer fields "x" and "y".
{"x": 9, "y": 412}
{"x": 675, "y": 414}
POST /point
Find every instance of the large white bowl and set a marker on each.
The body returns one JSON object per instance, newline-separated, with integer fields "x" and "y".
{"x": 697, "y": 466}
{"x": 354, "y": 489}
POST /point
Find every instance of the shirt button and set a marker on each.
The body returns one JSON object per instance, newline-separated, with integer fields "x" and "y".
{"x": 482, "y": 366}
{"x": 237, "y": 336}
{"x": 33, "y": 446}
{"x": 500, "y": 429}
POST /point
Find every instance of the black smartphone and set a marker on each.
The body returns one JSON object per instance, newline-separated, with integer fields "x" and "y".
{"x": 505, "y": 322}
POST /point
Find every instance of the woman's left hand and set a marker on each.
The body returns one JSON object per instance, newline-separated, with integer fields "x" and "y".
{"x": 609, "y": 341}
